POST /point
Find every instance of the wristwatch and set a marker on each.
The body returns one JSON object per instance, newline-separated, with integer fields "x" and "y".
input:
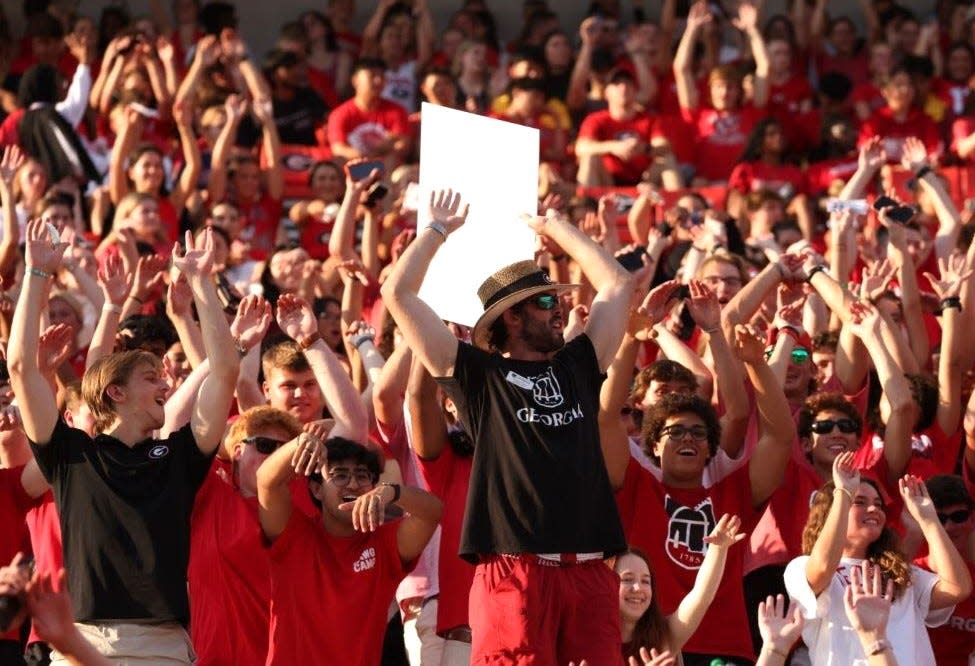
{"x": 396, "y": 491}
{"x": 309, "y": 340}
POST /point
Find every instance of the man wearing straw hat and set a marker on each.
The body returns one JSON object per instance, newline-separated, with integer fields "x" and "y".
{"x": 540, "y": 515}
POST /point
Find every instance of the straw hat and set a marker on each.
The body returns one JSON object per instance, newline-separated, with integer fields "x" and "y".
{"x": 506, "y": 287}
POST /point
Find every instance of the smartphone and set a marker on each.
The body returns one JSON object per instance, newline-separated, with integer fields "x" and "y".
{"x": 632, "y": 260}
{"x": 624, "y": 202}
{"x": 362, "y": 170}
{"x": 900, "y": 214}
{"x": 883, "y": 201}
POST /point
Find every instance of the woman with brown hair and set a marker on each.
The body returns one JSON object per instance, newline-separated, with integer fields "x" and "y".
{"x": 643, "y": 624}
{"x": 847, "y": 527}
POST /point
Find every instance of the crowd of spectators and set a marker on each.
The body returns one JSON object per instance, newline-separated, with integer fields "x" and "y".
{"x": 724, "y": 416}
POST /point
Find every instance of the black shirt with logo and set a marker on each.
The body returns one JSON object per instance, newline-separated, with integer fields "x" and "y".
{"x": 539, "y": 481}
{"x": 125, "y": 521}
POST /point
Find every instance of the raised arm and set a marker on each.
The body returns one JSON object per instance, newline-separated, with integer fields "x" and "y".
{"x": 297, "y": 320}
{"x": 706, "y": 311}
{"x": 129, "y": 133}
{"x": 898, "y": 253}
{"x": 271, "y": 147}
{"x": 869, "y": 161}
{"x": 687, "y": 94}
{"x": 428, "y": 428}
{"x": 38, "y": 406}
{"x": 273, "y": 494}
{"x": 234, "y": 108}
{"x": 687, "y": 618}
{"x": 217, "y": 391}
{"x": 747, "y": 22}
{"x": 955, "y": 271}
{"x": 192, "y": 162}
{"x": 179, "y": 309}
{"x": 575, "y": 98}
{"x": 828, "y": 549}
{"x": 424, "y": 331}
{"x": 115, "y": 287}
{"x": 777, "y": 430}
{"x": 915, "y": 158}
{"x": 954, "y": 584}
{"x": 11, "y": 161}
{"x": 391, "y": 386}
{"x": 610, "y": 308}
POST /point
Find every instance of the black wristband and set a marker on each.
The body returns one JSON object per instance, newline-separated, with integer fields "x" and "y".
{"x": 821, "y": 268}
{"x": 922, "y": 172}
{"x": 396, "y": 491}
{"x": 560, "y": 257}
{"x": 951, "y": 302}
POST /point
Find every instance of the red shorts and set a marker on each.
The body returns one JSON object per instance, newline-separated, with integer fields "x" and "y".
{"x": 527, "y": 611}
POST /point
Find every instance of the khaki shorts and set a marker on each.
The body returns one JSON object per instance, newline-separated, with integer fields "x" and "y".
{"x": 136, "y": 644}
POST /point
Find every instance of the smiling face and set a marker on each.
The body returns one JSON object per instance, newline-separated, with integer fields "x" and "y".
{"x": 824, "y": 447}
{"x": 344, "y": 481}
{"x": 682, "y": 447}
{"x": 296, "y": 392}
{"x": 147, "y": 173}
{"x": 636, "y": 591}
{"x": 867, "y": 518}
{"x": 142, "y": 397}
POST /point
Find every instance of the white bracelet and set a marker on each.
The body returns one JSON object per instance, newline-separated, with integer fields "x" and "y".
{"x": 439, "y": 228}
{"x": 111, "y": 307}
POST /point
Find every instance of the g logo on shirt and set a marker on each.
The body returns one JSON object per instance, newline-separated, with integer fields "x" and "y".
{"x": 158, "y": 451}
{"x": 686, "y": 531}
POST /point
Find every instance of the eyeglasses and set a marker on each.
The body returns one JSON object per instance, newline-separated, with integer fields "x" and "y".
{"x": 959, "y": 516}
{"x": 846, "y": 426}
{"x": 799, "y": 355}
{"x": 544, "y": 301}
{"x": 265, "y": 445}
{"x": 678, "y": 431}
{"x": 343, "y": 477}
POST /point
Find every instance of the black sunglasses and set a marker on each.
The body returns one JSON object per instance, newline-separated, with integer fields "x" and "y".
{"x": 825, "y": 426}
{"x": 264, "y": 445}
{"x": 959, "y": 516}
{"x": 544, "y": 301}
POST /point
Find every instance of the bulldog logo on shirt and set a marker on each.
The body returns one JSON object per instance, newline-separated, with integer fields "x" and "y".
{"x": 546, "y": 390}
{"x": 686, "y": 531}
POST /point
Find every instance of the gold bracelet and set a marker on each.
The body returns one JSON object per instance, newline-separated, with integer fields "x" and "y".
{"x": 845, "y": 492}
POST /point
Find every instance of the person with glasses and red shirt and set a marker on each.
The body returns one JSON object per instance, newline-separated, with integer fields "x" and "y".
{"x": 954, "y": 641}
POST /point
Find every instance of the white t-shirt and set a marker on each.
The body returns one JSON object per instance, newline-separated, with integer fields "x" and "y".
{"x": 401, "y": 86}
{"x": 829, "y": 635}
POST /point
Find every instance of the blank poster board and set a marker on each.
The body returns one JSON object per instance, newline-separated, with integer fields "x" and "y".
{"x": 494, "y": 165}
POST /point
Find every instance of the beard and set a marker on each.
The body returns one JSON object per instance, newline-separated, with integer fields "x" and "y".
{"x": 539, "y": 336}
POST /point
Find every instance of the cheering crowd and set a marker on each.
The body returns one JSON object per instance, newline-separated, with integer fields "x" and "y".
{"x": 724, "y": 416}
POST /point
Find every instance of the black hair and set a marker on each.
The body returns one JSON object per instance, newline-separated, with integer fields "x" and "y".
{"x": 947, "y": 490}
{"x": 340, "y": 449}
{"x": 672, "y": 405}
{"x": 146, "y": 329}
{"x": 368, "y": 63}
{"x": 498, "y": 331}
{"x": 756, "y": 140}
{"x": 217, "y": 16}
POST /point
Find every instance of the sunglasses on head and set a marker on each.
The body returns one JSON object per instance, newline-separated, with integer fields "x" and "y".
{"x": 799, "y": 355}
{"x": 544, "y": 301}
{"x": 959, "y": 516}
{"x": 264, "y": 445}
{"x": 825, "y": 426}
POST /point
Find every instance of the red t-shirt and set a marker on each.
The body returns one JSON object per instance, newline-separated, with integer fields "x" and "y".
{"x": 600, "y": 126}
{"x": 856, "y": 68}
{"x": 786, "y": 100}
{"x": 229, "y": 573}
{"x": 330, "y": 595}
{"x": 867, "y": 93}
{"x": 669, "y": 524}
{"x": 821, "y": 175}
{"x": 785, "y": 179}
{"x": 721, "y": 137}
{"x": 362, "y": 130}
{"x": 314, "y": 236}
{"x": 449, "y": 477}
{"x": 955, "y": 95}
{"x": 954, "y": 640}
{"x": 261, "y": 227}
{"x": 45, "y": 540}
{"x": 961, "y": 129}
{"x": 893, "y": 132}
{"x": 14, "y": 505}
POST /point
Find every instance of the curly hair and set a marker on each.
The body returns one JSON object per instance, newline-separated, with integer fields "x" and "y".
{"x": 651, "y": 630}
{"x": 672, "y": 405}
{"x": 884, "y": 552}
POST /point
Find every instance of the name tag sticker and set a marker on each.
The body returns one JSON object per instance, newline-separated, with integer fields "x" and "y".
{"x": 519, "y": 381}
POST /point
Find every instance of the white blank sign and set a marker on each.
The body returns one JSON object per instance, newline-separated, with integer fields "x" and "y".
{"x": 494, "y": 166}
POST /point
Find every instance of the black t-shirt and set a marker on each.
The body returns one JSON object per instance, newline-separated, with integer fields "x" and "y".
{"x": 539, "y": 481}
{"x": 125, "y": 521}
{"x": 297, "y": 118}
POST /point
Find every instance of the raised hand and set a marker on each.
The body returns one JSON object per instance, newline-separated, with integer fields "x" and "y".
{"x": 788, "y": 311}
{"x": 445, "y": 209}
{"x": 49, "y": 606}
{"x": 867, "y": 600}
{"x": 576, "y": 321}
{"x": 235, "y": 108}
{"x": 113, "y": 280}
{"x": 656, "y": 304}
{"x": 916, "y": 499}
{"x": 14, "y": 579}
{"x": 359, "y": 332}
{"x": 698, "y": 15}
{"x": 149, "y": 274}
{"x": 780, "y": 626}
{"x": 845, "y": 474}
{"x": 913, "y": 154}
{"x": 872, "y": 155}
{"x": 367, "y": 510}
{"x": 41, "y": 252}
{"x": 13, "y": 158}
{"x": 748, "y": 346}
{"x": 53, "y": 348}
{"x": 592, "y": 226}
{"x": 725, "y": 534}
{"x": 295, "y": 317}
{"x": 865, "y": 319}
{"x": 747, "y": 17}
{"x": 179, "y": 296}
{"x": 251, "y": 322}
{"x": 954, "y": 270}
{"x": 264, "y": 110}
{"x": 207, "y": 51}
{"x": 875, "y": 279}
{"x": 704, "y": 306}
{"x": 197, "y": 262}
{"x": 309, "y": 452}
{"x": 165, "y": 49}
